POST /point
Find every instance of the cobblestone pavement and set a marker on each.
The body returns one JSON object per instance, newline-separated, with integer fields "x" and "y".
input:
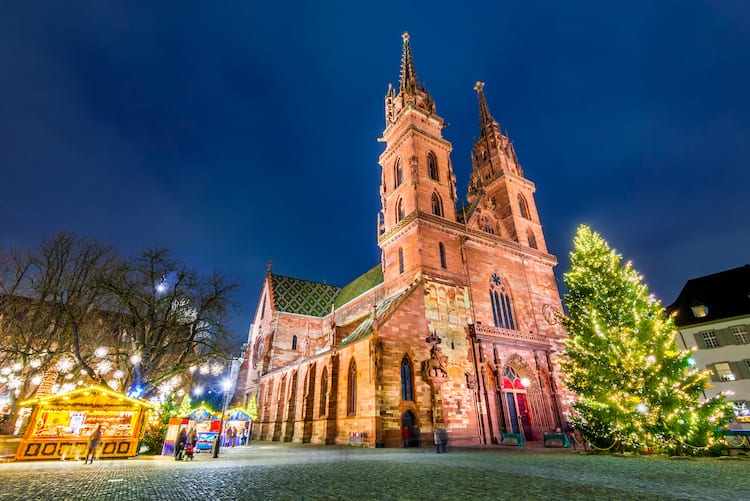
{"x": 270, "y": 471}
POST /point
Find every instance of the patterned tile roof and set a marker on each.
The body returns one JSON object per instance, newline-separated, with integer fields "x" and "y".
{"x": 359, "y": 285}
{"x": 302, "y": 297}
{"x": 383, "y": 310}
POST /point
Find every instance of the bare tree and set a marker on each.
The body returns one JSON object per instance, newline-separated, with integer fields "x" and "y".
{"x": 49, "y": 308}
{"x": 173, "y": 319}
{"x": 73, "y": 312}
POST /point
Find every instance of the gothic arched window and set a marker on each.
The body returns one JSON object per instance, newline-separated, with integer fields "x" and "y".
{"x": 398, "y": 173}
{"x": 294, "y": 342}
{"x": 437, "y": 205}
{"x": 400, "y": 260}
{"x": 442, "y": 255}
{"x": 351, "y": 390}
{"x": 502, "y": 312}
{"x": 406, "y": 379}
{"x": 323, "y": 391}
{"x": 432, "y": 167}
{"x": 523, "y": 207}
{"x": 531, "y": 238}
{"x": 400, "y": 211}
{"x": 486, "y": 224}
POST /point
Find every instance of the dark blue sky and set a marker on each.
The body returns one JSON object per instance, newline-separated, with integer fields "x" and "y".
{"x": 238, "y": 132}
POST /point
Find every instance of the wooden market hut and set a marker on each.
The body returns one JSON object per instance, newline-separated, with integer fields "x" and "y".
{"x": 60, "y": 425}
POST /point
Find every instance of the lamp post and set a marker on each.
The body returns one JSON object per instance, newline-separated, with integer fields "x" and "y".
{"x": 225, "y": 385}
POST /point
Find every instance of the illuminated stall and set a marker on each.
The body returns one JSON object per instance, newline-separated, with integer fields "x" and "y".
{"x": 206, "y": 424}
{"x": 236, "y": 427}
{"x": 60, "y": 425}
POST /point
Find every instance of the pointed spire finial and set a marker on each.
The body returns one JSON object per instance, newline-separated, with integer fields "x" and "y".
{"x": 408, "y": 80}
{"x": 484, "y": 112}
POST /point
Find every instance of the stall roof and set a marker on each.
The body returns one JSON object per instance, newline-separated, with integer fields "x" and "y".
{"x": 201, "y": 413}
{"x": 91, "y": 395}
{"x": 238, "y": 414}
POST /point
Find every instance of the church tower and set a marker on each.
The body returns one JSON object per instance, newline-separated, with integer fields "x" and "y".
{"x": 501, "y": 199}
{"x": 417, "y": 188}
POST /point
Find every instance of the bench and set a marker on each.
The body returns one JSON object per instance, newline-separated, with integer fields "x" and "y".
{"x": 557, "y": 439}
{"x": 512, "y": 439}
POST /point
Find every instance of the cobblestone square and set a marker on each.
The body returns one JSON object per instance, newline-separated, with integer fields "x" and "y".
{"x": 274, "y": 471}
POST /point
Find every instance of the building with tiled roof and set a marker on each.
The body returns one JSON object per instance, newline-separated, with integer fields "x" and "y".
{"x": 455, "y": 328}
{"x": 712, "y": 314}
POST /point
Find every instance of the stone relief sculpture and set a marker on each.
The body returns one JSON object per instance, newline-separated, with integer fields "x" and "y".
{"x": 435, "y": 365}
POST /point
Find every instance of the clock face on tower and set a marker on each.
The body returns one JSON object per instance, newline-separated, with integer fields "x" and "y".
{"x": 550, "y": 315}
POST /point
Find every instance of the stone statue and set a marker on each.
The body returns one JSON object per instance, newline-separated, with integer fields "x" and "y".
{"x": 435, "y": 365}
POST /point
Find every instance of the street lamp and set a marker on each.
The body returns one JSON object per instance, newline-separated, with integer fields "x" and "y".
{"x": 225, "y": 385}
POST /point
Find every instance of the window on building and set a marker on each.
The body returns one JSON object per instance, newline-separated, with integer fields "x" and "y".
{"x": 406, "y": 379}
{"x": 351, "y": 390}
{"x": 502, "y": 312}
{"x": 400, "y": 211}
{"x": 710, "y": 339}
{"x": 323, "y": 391}
{"x": 400, "y": 260}
{"x": 442, "y": 255}
{"x": 437, "y": 205}
{"x": 294, "y": 342}
{"x": 699, "y": 310}
{"x": 486, "y": 224}
{"x": 740, "y": 334}
{"x": 741, "y": 408}
{"x": 432, "y": 167}
{"x": 523, "y": 207}
{"x": 531, "y": 238}
{"x": 398, "y": 173}
{"x": 724, "y": 371}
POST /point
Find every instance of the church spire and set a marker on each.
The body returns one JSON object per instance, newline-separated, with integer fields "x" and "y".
{"x": 408, "y": 81}
{"x": 410, "y": 93}
{"x": 485, "y": 119}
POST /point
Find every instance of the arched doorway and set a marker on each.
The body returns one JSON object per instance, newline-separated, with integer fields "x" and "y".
{"x": 409, "y": 429}
{"x": 514, "y": 388}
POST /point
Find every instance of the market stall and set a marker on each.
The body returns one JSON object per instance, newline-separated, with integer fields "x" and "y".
{"x": 236, "y": 427}
{"x": 60, "y": 425}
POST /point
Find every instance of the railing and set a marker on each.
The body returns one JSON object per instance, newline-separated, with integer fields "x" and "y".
{"x": 498, "y": 332}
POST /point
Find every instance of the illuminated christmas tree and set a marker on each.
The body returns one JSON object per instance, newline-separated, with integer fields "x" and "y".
{"x": 635, "y": 388}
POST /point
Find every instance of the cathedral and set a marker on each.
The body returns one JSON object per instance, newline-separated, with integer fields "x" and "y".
{"x": 454, "y": 329}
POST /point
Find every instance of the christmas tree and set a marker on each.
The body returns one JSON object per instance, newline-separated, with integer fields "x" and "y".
{"x": 634, "y": 387}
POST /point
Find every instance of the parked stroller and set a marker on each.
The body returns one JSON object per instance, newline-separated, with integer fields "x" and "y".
{"x": 189, "y": 450}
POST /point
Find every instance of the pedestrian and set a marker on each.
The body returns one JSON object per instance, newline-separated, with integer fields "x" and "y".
{"x": 438, "y": 442}
{"x": 179, "y": 446}
{"x": 192, "y": 437}
{"x": 443, "y": 439}
{"x": 94, "y": 440}
{"x": 406, "y": 435}
{"x": 234, "y": 436}
{"x": 243, "y": 437}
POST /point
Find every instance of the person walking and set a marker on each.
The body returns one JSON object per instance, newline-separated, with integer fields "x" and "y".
{"x": 405, "y": 435}
{"x": 94, "y": 440}
{"x": 192, "y": 437}
{"x": 437, "y": 439}
{"x": 179, "y": 445}
{"x": 443, "y": 433}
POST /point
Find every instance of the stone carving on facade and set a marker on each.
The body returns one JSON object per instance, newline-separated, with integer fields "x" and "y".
{"x": 434, "y": 367}
{"x": 471, "y": 382}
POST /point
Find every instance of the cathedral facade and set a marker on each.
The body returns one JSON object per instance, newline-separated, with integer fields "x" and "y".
{"x": 455, "y": 328}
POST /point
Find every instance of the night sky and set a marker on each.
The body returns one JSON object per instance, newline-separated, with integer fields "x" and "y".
{"x": 235, "y": 133}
